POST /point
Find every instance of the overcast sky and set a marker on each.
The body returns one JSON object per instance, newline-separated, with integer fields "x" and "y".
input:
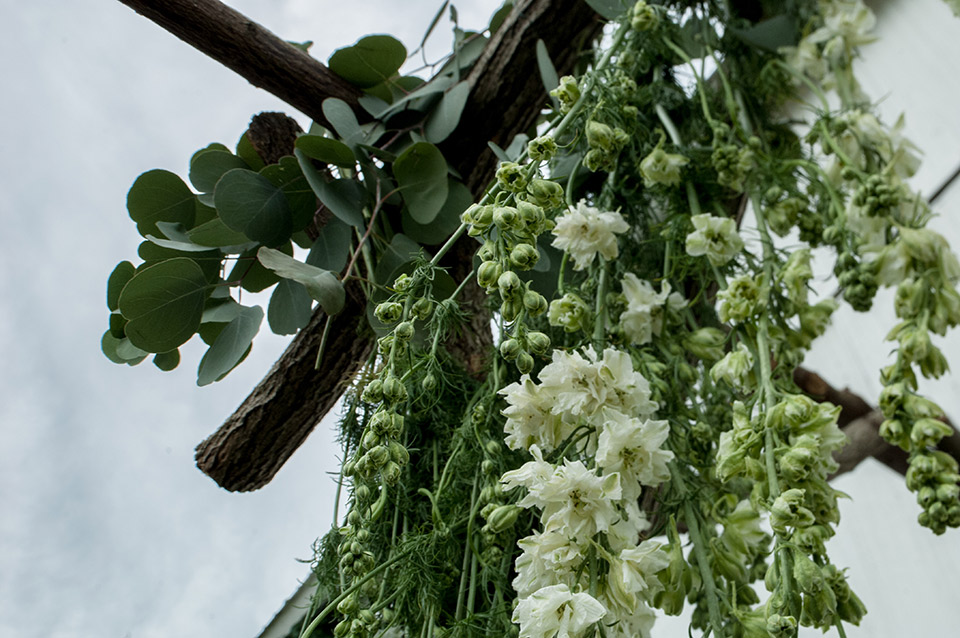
{"x": 107, "y": 528}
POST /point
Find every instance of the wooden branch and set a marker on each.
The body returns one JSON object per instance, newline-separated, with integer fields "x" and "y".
{"x": 506, "y": 97}
{"x": 253, "y": 52}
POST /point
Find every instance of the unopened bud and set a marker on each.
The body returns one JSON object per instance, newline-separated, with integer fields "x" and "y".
{"x": 503, "y": 518}
{"x": 524, "y": 363}
{"x": 539, "y": 342}
{"x": 404, "y": 331}
{"x": 422, "y": 309}
{"x": 524, "y": 256}
{"x": 510, "y": 349}
{"x": 488, "y": 274}
{"x": 535, "y": 303}
{"x": 388, "y": 312}
{"x": 373, "y": 392}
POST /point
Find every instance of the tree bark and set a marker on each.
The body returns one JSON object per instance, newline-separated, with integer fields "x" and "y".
{"x": 505, "y": 99}
{"x": 242, "y": 45}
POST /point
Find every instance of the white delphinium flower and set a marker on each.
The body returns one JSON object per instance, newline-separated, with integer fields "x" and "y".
{"x": 643, "y": 317}
{"x": 805, "y": 59}
{"x": 715, "y": 237}
{"x": 846, "y": 25}
{"x": 583, "y": 385}
{"x": 556, "y": 612}
{"x": 533, "y": 472}
{"x": 635, "y": 623}
{"x": 864, "y": 135}
{"x": 576, "y": 500}
{"x": 529, "y": 417}
{"x": 586, "y": 231}
{"x": 624, "y": 533}
{"x": 631, "y": 447}
{"x": 735, "y": 369}
{"x": 548, "y": 558}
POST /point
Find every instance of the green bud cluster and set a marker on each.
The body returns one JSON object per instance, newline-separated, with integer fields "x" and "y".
{"x": 643, "y": 17}
{"x": 733, "y": 164}
{"x": 877, "y": 195}
{"x": 567, "y": 93}
{"x": 605, "y": 143}
{"x": 741, "y": 299}
{"x": 914, "y": 423}
{"x": 858, "y": 279}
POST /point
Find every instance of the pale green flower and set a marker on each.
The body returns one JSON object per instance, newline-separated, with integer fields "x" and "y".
{"x": 660, "y": 167}
{"x": 735, "y": 369}
{"x": 740, "y": 299}
{"x": 715, "y": 237}
{"x": 570, "y": 312}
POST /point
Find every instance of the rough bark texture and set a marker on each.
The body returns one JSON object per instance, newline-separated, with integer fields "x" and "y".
{"x": 242, "y": 45}
{"x": 506, "y": 97}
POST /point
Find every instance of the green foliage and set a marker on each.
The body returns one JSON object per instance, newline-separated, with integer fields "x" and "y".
{"x": 163, "y": 304}
{"x": 250, "y": 203}
{"x": 231, "y": 345}
{"x": 371, "y": 61}
{"x": 322, "y": 285}
{"x": 421, "y": 174}
{"x": 160, "y": 196}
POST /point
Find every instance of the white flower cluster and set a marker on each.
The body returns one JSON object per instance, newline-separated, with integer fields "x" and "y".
{"x": 599, "y": 407}
{"x": 586, "y": 231}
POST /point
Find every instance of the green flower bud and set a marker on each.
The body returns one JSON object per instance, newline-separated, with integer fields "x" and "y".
{"x": 428, "y": 383}
{"x": 705, "y": 343}
{"x": 488, "y": 251}
{"x": 567, "y": 93}
{"x": 393, "y": 390}
{"x": 503, "y": 518}
{"x": 741, "y": 299}
{"x": 488, "y": 274}
{"x": 404, "y": 331}
{"x": 403, "y": 283}
{"x": 644, "y": 17}
{"x": 600, "y": 136}
{"x": 348, "y": 606}
{"x": 509, "y": 284}
{"x": 660, "y": 167}
{"x": 378, "y": 456}
{"x": 510, "y": 349}
{"x": 524, "y": 256}
{"x": 546, "y": 193}
{"x": 342, "y": 629}
{"x": 369, "y": 440}
{"x": 510, "y": 310}
{"x": 928, "y": 432}
{"x": 422, "y": 309}
{"x": 512, "y": 177}
{"x": 507, "y": 217}
{"x": 534, "y": 302}
{"x": 388, "y": 312}
{"x": 570, "y": 312}
{"x": 398, "y": 453}
{"x": 391, "y": 473}
{"x": 524, "y": 363}
{"x": 488, "y": 467}
{"x": 373, "y": 392}
{"x": 781, "y": 626}
{"x": 542, "y": 149}
{"x": 807, "y": 574}
{"x": 539, "y": 343}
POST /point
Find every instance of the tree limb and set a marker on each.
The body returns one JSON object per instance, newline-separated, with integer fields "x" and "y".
{"x": 253, "y": 52}
{"x": 505, "y": 99}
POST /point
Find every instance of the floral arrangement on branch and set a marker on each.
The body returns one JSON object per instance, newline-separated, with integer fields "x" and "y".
{"x": 638, "y": 442}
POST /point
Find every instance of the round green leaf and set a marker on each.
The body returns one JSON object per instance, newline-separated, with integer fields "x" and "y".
{"x": 421, "y": 174}
{"x": 370, "y": 61}
{"x": 163, "y": 304}
{"x": 249, "y": 154}
{"x": 207, "y": 167}
{"x": 447, "y": 220}
{"x": 116, "y": 281}
{"x": 117, "y": 324}
{"x": 167, "y": 361}
{"x": 160, "y": 196}
{"x": 332, "y": 246}
{"x": 326, "y": 149}
{"x": 445, "y": 117}
{"x": 287, "y": 176}
{"x": 290, "y": 308}
{"x": 230, "y": 346}
{"x": 251, "y": 204}
{"x": 344, "y": 197}
{"x": 342, "y": 119}
{"x": 108, "y": 345}
{"x": 215, "y": 233}
{"x": 322, "y": 285}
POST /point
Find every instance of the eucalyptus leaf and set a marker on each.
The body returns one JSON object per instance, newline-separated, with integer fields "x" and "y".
{"x": 447, "y": 220}
{"x": 207, "y": 167}
{"x": 290, "y": 308}
{"x": 421, "y": 173}
{"x": 251, "y": 274}
{"x": 122, "y": 273}
{"x": 220, "y": 310}
{"x": 370, "y": 61}
{"x": 167, "y": 361}
{"x": 230, "y": 347}
{"x": 108, "y": 345}
{"x": 332, "y": 247}
{"x": 248, "y": 153}
{"x": 770, "y": 35}
{"x": 346, "y": 202}
{"x": 609, "y": 9}
{"x": 499, "y": 16}
{"x": 287, "y": 176}
{"x": 446, "y": 116}
{"x": 342, "y": 119}
{"x": 117, "y": 324}
{"x": 548, "y": 73}
{"x": 251, "y": 204}
{"x": 327, "y": 150}
{"x": 215, "y": 233}
{"x": 499, "y": 152}
{"x": 176, "y": 238}
{"x": 163, "y": 304}
{"x": 322, "y": 285}
{"x": 517, "y": 146}
{"x": 209, "y": 261}
{"x": 160, "y": 196}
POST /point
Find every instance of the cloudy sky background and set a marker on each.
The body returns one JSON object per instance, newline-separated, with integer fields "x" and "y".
{"x": 106, "y": 527}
